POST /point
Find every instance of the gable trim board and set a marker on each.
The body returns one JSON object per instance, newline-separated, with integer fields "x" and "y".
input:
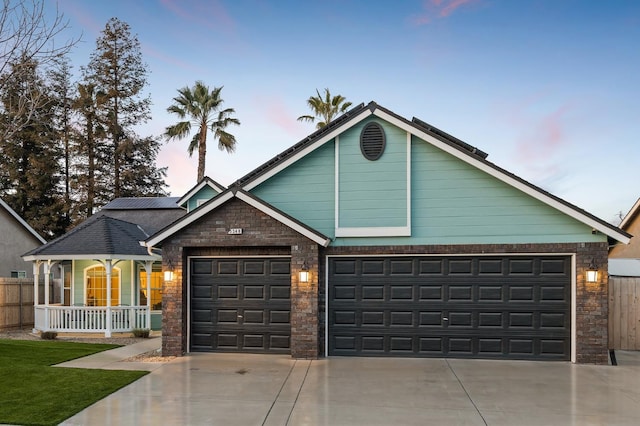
{"x": 395, "y": 231}
{"x": 246, "y": 198}
{"x": 204, "y": 182}
{"x": 630, "y": 215}
{"x": 22, "y": 222}
{"x": 417, "y": 128}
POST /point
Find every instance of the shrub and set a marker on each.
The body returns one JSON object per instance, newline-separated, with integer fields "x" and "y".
{"x": 141, "y": 332}
{"x": 49, "y": 335}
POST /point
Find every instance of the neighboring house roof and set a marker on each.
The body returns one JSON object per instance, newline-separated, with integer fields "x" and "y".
{"x": 21, "y": 221}
{"x": 246, "y": 197}
{"x": 142, "y": 203}
{"x": 102, "y": 238}
{"x": 150, "y": 213}
{"x": 207, "y": 181}
{"x": 632, "y": 214}
{"x": 624, "y": 267}
{"x": 439, "y": 139}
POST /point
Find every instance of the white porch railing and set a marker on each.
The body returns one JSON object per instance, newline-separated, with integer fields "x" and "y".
{"x": 83, "y": 319}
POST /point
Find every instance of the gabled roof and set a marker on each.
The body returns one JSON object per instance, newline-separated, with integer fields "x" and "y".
{"x": 21, "y": 221}
{"x": 246, "y": 197}
{"x": 206, "y": 181}
{"x": 437, "y": 138}
{"x": 633, "y": 213}
{"x": 102, "y": 238}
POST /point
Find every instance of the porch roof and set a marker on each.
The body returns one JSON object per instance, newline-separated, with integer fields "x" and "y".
{"x": 102, "y": 238}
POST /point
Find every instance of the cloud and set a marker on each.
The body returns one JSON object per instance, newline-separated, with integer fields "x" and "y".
{"x": 276, "y": 112}
{"x": 438, "y": 9}
{"x": 181, "y": 169}
{"x": 209, "y": 13}
{"x": 544, "y": 135}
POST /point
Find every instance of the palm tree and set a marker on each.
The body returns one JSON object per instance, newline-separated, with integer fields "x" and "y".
{"x": 325, "y": 109}
{"x": 200, "y": 107}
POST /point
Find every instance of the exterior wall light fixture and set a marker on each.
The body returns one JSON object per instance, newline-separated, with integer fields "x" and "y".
{"x": 168, "y": 273}
{"x": 592, "y": 272}
{"x": 304, "y": 273}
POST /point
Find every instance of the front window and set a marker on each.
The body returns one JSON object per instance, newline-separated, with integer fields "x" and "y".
{"x": 156, "y": 289}
{"x": 97, "y": 286}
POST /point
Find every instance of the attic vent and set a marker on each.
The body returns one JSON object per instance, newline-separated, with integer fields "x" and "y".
{"x": 372, "y": 141}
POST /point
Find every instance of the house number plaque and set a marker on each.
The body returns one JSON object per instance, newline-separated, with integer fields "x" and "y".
{"x": 235, "y": 231}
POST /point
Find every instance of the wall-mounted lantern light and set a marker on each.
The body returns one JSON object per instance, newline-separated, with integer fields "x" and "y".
{"x": 592, "y": 272}
{"x": 304, "y": 273}
{"x": 168, "y": 273}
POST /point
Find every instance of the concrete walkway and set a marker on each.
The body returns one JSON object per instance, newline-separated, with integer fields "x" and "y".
{"x": 114, "y": 359}
{"x": 244, "y": 389}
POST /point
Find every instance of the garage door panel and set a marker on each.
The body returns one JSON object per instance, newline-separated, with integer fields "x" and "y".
{"x": 493, "y": 307}
{"x": 242, "y": 305}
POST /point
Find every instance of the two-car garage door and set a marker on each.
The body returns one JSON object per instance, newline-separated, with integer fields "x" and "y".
{"x": 476, "y": 306}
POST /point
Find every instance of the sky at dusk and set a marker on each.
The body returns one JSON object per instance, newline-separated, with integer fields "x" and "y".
{"x": 549, "y": 88}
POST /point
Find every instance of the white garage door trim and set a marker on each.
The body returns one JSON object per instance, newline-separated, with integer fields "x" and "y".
{"x": 573, "y": 285}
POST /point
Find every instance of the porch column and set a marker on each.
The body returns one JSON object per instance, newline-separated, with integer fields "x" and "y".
{"x": 36, "y": 280}
{"x": 108, "y": 267}
{"x": 148, "y": 268}
{"x": 46, "y": 295}
{"x": 47, "y": 268}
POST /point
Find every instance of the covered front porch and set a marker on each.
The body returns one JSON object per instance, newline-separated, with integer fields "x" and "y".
{"x": 97, "y": 279}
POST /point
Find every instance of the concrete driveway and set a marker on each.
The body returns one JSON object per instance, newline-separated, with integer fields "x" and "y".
{"x": 239, "y": 389}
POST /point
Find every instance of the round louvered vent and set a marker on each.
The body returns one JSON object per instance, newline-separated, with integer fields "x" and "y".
{"x": 372, "y": 141}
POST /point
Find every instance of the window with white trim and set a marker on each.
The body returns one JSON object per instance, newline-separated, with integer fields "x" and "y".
{"x": 96, "y": 279}
{"x": 156, "y": 289}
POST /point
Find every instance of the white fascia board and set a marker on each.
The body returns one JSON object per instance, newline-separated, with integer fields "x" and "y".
{"x": 630, "y": 215}
{"x": 505, "y": 178}
{"x": 283, "y": 219}
{"x": 197, "y": 188}
{"x": 90, "y": 257}
{"x": 317, "y": 144}
{"x": 389, "y": 231}
{"x": 22, "y": 221}
{"x": 187, "y": 220}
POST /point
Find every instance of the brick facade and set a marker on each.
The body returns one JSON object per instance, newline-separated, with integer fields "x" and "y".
{"x": 262, "y": 235}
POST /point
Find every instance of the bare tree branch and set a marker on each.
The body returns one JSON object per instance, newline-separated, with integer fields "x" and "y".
{"x": 27, "y": 35}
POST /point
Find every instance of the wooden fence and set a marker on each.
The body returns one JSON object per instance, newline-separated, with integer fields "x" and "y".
{"x": 16, "y": 303}
{"x": 624, "y": 313}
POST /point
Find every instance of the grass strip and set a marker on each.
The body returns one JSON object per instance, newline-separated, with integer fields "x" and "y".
{"x": 32, "y": 392}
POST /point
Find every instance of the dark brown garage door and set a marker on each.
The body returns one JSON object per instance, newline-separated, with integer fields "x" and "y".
{"x": 240, "y": 305}
{"x": 482, "y": 307}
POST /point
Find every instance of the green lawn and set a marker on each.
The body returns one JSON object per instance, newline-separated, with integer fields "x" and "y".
{"x": 34, "y": 393}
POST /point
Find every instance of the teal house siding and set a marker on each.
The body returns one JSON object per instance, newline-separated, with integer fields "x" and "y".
{"x": 452, "y": 202}
{"x": 372, "y": 193}
{"x": 204, "y": 194}
{"x": 305, "y": 189}
{"x": 456, "y": 203}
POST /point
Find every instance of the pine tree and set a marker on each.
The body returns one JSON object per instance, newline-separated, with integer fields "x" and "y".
{"x": 90, "y": 155}
{"x": 116, "y": 69}
{"x": 31, "y": 155}
{"x": 62, "y": 94}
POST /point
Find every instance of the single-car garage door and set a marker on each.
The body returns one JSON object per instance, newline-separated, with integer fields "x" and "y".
{"x": 240, "y": 304}
{"x": 477, "y": 306}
